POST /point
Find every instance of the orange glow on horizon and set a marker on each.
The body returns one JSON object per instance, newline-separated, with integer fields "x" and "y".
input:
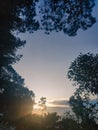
{"x": 51, "y": 105}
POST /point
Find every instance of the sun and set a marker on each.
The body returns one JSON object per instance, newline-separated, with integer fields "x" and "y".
{"x": 39, "y": 109}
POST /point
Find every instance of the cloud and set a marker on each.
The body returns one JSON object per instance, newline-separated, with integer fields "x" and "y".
{"x": 60, "y": 106}
{"x": 59, "y": 103}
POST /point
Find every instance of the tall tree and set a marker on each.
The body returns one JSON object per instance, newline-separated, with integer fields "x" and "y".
{"x": 84, "y": 73}
{"x": 42, "y": 104}
{"x": 16, "y": 100}
{"x": 85, "y": 111}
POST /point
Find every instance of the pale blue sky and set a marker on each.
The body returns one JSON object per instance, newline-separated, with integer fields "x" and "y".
{"x": 46, "y": 59}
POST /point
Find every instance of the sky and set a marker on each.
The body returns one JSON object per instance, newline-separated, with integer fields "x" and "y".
{"x": 46, "y": 59}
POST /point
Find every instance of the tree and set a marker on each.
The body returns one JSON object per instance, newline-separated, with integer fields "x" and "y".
{"x": 66, "y": 15}
{"x": 38, "y": 122}
{"x": 83, "y": 108}
{"x": 68, "y": 122}
{"x": 9, "y": 44}
{"x": 84, "y": 73}
{"x": 18, "y": 15}
{"x": 85, "y": 111}
{"x": 14, "y": 97}
{"x": 16, "y": 100}
{"x": 42, "y": 104}
{"x": 50, "y": 120}
{"x": 59, "y": 15}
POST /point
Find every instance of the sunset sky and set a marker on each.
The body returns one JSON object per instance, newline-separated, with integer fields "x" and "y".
{"x": 46, "y": 59}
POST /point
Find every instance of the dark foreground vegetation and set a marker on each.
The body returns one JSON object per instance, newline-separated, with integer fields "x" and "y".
{"x": 16, "y": 100}
{"x": 49, "y": 121}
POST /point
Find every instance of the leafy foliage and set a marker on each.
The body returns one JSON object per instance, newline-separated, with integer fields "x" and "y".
{"x": 60, "y": 15}
{"x": 9, "y": 44}
{"x": 51, "y": 120}
{"x": 42, "y": 104}
{"x": 69, "y": 122}
{"x": 84, "y": 72}
{"x": 38, "y": 122}
{"x": 18, "y": 15}
{"x": 84, "y": 108}
{"x": 85, "y": 111}
{"x": 66, "y": 15}
{"x": 15, "y": 99}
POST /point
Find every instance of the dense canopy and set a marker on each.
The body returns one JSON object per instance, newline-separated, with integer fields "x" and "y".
{"x": 84, "y": 72}
{"x": 52, "y": 15}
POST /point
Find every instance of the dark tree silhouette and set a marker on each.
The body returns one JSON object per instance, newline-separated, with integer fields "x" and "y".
{"x": 18, "y": 15}
{"x": 66, "y": 15}
{"x": 84, "y": 72}
{"x": 59, "y": 15}
{"x": 9, "y": 45}
{"x": 68, "y": 122}
{"x": 50, "y": 120}
{"x": 42, "y": 104}
{"x": 15, "y": 99}
{"x": 86, "y": 112}
{"x": 38, "y": 122}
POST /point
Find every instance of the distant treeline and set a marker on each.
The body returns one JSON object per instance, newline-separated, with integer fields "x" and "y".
{"x": 49, "y": 121}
